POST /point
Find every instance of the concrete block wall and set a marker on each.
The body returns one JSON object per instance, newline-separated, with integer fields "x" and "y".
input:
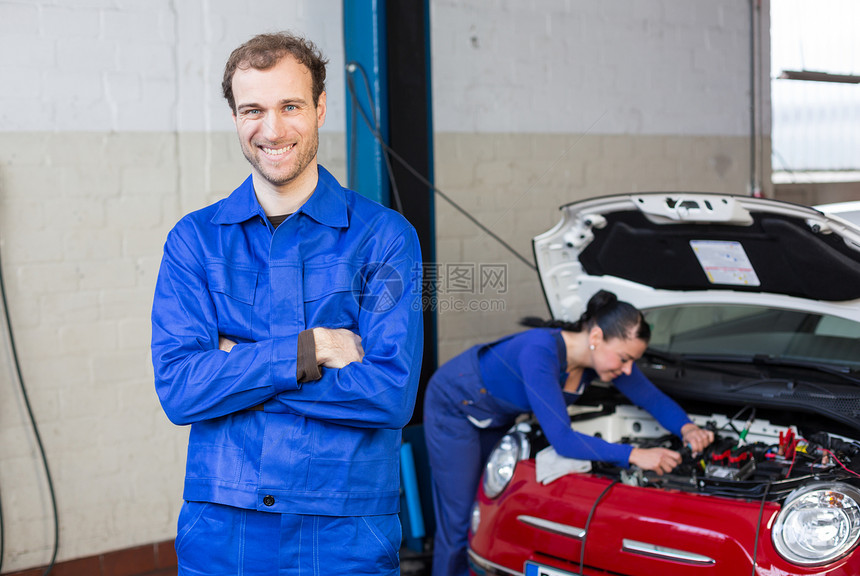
{"x": 112, "y": 126}
{"x": 537, "y": 104}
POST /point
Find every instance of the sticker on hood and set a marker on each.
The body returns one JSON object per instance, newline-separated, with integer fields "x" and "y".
{"x": 725, "y": 262}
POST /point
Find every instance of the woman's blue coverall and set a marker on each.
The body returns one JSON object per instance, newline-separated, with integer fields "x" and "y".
{"x": 473, "y": 399}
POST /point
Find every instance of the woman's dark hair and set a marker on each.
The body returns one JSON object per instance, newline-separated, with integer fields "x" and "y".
{"x": 617, "y": 319}
{"x": 264, "y": 51}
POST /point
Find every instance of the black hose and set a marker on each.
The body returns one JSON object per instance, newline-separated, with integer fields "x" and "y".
{"x": 376, "y": 130}
{"x": 588, "y": 525}
{"x": 38, "y": 436}
{"x": 387, "y": 150}
{"x": 758, "y": 526}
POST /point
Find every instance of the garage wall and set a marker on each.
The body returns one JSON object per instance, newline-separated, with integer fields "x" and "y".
{"x": 111, "y": 127}
{"x": 537, "y": 104}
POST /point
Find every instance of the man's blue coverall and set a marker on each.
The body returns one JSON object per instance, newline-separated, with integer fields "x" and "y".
{"x": 329, "y": 447}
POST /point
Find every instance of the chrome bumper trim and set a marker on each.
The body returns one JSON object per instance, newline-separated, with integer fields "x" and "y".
{"x": 484, "y": 567}
{"x": 664, "y": 553}
{"x": 554, "y": 527}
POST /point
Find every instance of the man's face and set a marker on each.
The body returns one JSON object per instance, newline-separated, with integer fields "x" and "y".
{"x": 277, "y": 122}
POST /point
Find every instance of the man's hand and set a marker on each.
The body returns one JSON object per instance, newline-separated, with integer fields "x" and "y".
{"x": 696, "y": 438}
{"x": 337, "y": 347}
{"x": 660, "y": 460}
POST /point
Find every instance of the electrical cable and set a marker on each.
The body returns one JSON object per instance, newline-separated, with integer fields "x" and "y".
{"x": 353, "y": 140}
{"x": 832, "y": 455}
{"x": 351, "y": 67}
{"x": 758, "y": 526}
{"x": 793, "y": 460}
{"x": 377, "y": 129}
{"x": 26, "y": 398}
{"x": 588, "y": 525}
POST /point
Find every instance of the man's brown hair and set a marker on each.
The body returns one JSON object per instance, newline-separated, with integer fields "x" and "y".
{"x": 265, "y": 50}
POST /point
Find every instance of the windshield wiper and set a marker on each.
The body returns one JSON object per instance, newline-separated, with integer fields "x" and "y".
{"x": 790, "y": 384}
{"x": 850, "y": 374}
{"x": 695, "y": 361}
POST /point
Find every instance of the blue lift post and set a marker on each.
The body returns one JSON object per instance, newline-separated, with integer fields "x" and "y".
{"x": 387, "y": 54}
{"x": 366, "y": 77}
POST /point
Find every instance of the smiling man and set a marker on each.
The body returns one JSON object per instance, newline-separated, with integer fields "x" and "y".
{"x": 286, "y": 330}
{"x": 277, "y": 115}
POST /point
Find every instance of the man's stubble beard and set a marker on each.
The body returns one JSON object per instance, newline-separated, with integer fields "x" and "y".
{"x": 300, "y": 162}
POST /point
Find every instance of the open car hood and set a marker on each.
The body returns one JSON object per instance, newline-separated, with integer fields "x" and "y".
{"x": 660, "y": 249}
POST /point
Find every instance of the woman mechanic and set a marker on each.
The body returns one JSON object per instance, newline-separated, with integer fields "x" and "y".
{"x": 474, "y": 398}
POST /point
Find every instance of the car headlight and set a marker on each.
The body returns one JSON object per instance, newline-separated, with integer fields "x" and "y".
{"x": 818, "y": 523}
{"x": 503, "y": 461}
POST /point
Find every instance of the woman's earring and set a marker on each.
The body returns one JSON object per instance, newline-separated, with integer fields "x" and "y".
{"x": 591, "y": 347}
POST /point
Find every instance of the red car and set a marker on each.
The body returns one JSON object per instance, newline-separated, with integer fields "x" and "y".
{"x": 754, "y": 307}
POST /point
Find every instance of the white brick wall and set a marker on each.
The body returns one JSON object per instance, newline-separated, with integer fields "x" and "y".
{"x": 146, "y": 65}
{"x": 112, "y": 126}
{"x": 561, "y": 66}
{"x": 540, "y": 103}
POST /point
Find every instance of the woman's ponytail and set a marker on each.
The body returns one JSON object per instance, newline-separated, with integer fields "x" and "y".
{"x": 617, "y": 319}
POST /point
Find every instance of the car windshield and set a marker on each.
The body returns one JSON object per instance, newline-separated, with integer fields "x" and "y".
{"x": 747, "y": 331}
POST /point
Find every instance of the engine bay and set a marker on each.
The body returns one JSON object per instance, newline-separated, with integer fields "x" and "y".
{"x": 750, "y": 457}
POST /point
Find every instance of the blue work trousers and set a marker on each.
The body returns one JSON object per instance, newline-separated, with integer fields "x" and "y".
{"x": 457, "y": 449}
{"x": 218, "y": 540}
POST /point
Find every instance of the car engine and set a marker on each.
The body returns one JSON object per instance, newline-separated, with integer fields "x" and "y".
{"x": 750, "y": 457}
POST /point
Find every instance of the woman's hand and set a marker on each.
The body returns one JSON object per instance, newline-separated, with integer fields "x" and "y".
{"x": 696, "y": 438}
{"x": 660, "y": 460}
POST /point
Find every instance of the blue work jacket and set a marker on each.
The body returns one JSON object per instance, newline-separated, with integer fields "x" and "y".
{"x": 528, "y": 371}
{"x": 328, "y": 447}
